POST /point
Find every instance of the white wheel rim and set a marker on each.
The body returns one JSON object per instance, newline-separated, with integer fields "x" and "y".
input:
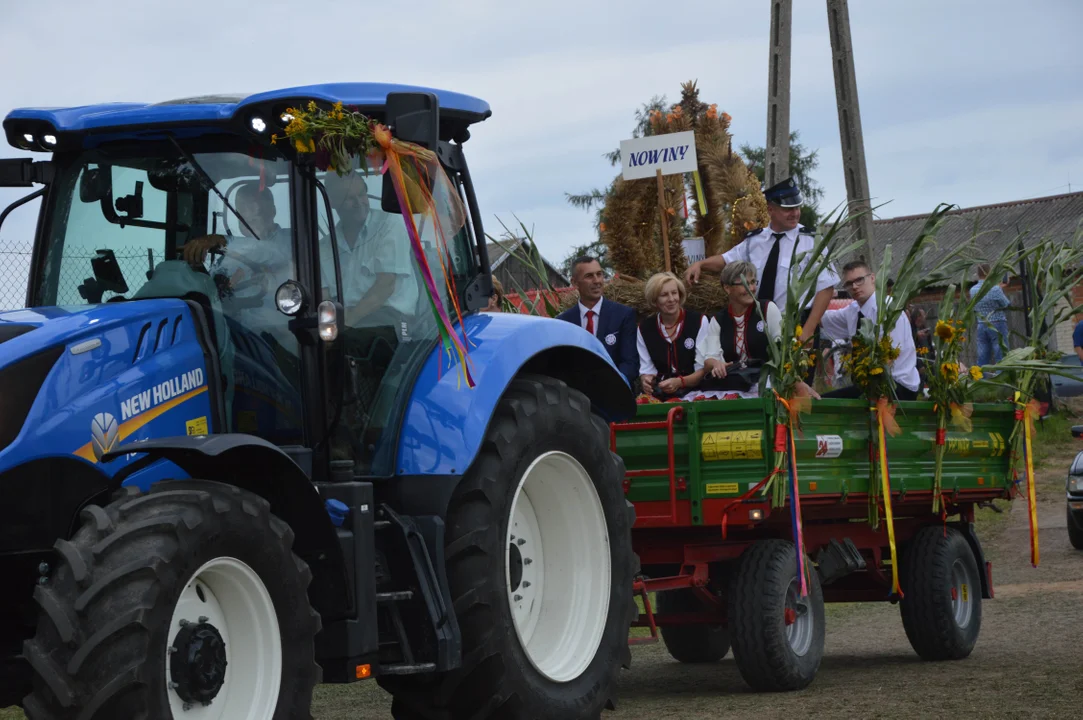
{"x": 798, "y": 609}
{"x": 227, "y": 594}
{"x": 962, "y": 594}
{"x": 557, "y": 566}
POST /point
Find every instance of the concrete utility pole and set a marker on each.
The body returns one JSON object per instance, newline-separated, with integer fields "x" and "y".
{"x": 853, "y": 145}
{"x": 776, "y": 165}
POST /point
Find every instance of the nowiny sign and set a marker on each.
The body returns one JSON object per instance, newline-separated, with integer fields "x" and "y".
{"x": 672, "y": 153}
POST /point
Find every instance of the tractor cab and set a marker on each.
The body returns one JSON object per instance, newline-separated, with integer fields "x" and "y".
{"x": 303, "y": 275}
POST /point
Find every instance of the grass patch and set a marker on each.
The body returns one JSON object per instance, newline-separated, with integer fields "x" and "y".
{"x": 1053, "y": 436}
{"x": 12, "y": 714}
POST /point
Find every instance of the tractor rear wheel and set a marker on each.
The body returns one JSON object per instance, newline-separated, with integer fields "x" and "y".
{"x": 540, "y": 567}
{"x": 777, "y": 635}
{"x": 183, "y": 602}
{"x": 941, "y": 604}
{"x": 691, "y": 643}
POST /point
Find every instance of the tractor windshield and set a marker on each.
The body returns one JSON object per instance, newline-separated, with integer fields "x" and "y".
{"x": 143, "y": 222}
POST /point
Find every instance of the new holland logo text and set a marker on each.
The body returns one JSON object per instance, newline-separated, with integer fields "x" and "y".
{"x": 159, "y": 394}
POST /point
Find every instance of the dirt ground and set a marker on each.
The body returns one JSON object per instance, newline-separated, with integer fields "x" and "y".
{"x": 1028, "y": 661}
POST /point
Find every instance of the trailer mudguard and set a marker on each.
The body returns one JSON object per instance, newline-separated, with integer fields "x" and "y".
{"x": 256, "y": 465}
{"x": 445, "y": 421}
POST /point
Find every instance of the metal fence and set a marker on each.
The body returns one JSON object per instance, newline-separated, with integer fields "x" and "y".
{"x": 14, "y": 271}
{"x": 75, "y": 269}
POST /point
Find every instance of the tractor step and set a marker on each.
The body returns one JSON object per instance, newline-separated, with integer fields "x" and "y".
{"x": 414, "y": 669}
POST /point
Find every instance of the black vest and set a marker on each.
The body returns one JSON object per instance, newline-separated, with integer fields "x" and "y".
{"x": 755, "y": 338}
{"x": 683, "y": 349}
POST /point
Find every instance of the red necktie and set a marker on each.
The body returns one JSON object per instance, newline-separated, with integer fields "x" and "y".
{"x": 590, "y": 321}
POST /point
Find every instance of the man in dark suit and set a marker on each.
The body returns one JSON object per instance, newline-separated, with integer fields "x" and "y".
{"x": 612, "y": 323}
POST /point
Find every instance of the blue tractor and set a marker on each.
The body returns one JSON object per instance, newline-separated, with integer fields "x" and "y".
{"x": 235, "y": 469}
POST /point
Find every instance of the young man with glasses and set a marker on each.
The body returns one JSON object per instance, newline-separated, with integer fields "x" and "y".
{"x": 859, "y": 279}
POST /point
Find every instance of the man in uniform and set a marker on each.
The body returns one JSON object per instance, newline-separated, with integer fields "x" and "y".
{"x": 770, "y": 250}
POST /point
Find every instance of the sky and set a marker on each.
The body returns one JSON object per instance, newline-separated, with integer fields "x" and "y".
{"x": 970, "y": 102}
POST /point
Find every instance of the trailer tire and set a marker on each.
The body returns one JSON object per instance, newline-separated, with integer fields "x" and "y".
{"x": 543, "y": 444}
{"x": 208, "y": 554}
{"x": 941, "y": 604}
{"x": 691, "y": 643}
{"x": 775, "y": 650}
{"x": 1075, "y": 531}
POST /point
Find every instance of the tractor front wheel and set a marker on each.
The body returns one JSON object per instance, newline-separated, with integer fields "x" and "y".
{"x": 183, "y": 602}
{"x": 540, "y": 567}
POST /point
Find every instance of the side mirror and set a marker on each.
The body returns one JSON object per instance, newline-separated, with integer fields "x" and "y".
{"x": 414, "y": 118}
{"x": 94, "y": 185}
{"x": 24, "y": 172}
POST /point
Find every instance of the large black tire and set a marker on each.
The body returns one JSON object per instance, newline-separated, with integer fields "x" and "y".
{"x": 106, "y": 615}
{"x": 1075, "y": 531}
{"x": 691, "y": 643}
{"x": 497, "y": 679}
{"x": 940, "y": 575}
{"x": 758, "y": 627}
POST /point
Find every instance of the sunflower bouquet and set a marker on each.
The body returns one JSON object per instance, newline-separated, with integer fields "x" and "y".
{"x": 950, "y": 388}
{"x": 1049, "y": 271}
{"x": 790, "y": 357}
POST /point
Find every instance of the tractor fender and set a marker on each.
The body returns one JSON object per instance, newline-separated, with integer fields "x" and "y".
{"x": 445, "y": 421}
{"x": 256, "y": 465}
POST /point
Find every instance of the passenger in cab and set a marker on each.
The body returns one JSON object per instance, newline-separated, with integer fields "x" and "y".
{"x": 667, "y": 340}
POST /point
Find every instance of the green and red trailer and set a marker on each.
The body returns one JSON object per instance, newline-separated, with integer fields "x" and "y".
{"x": 719, "y": 557}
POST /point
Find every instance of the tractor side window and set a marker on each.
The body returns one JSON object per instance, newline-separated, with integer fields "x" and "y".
{"x": 95, "y": 224}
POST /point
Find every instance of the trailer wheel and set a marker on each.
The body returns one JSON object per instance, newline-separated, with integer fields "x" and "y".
{"x": 777, "y": 635}
{"x": 941, "y": 605}
{"x": 540, "y": 567}
{"x": 1075, "y": 531}
{"x": 185, "y": 602}
{"x": 691, "y": 643}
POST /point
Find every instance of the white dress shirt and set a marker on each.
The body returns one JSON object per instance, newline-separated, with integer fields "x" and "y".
{"x": 646, "y": 366}
{"x": 756, "y": 248}
{"x": 711, "y": 347}
{"x": 842, "y": 325}
{"x": 583, "y": 310}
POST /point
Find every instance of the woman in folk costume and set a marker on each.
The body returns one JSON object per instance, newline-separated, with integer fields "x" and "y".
{"x": 669, "y": 340}
{"x": 738, "y": 335}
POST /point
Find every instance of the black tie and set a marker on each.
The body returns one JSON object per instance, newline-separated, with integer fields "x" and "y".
{"x": 770, "y": 270}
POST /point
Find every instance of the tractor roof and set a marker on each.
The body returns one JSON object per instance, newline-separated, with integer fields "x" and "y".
{"x": 457, "y": 111}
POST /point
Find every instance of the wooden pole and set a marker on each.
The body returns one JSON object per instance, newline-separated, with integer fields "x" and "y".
{"x": 853, "y": 144}
{"x": 665, "y": 219}
{"x": 776, "y": 165}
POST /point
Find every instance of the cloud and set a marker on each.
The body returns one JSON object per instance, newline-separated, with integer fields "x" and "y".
{"x": 967, "y": 101}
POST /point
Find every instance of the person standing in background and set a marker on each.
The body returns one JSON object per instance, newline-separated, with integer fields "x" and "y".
{"x": 992, "y": 323}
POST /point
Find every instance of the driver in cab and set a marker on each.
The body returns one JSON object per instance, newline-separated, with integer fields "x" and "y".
{"x": 255, "y": 263}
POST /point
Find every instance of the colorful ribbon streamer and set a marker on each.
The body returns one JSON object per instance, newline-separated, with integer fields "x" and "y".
{"x": 1026, "y": 414}
{"x": 699, "y": 193}
{"x": 885, "y": 481}
{"x": 795, "y": 516}
{"x": 414, "y": 197}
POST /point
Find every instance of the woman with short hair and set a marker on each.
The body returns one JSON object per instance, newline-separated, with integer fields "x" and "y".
{"x": 669, "y": 340}
{"x": 738, "y": 335}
